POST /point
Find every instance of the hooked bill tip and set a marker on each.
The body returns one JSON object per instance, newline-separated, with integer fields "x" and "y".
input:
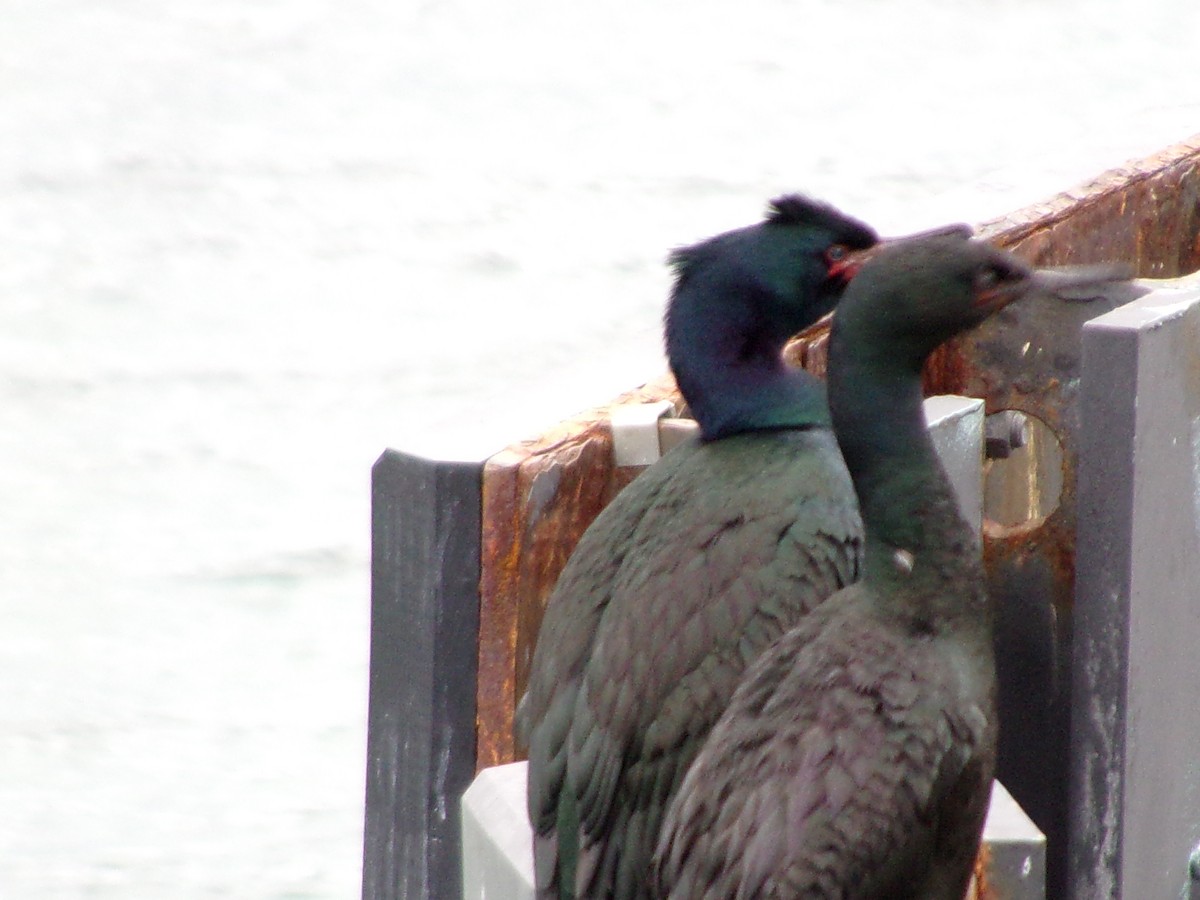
{"x": 1083, "y": 284}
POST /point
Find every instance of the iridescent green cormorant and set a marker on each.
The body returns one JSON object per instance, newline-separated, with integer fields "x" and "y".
{"x": 855, "y": 759}
{"x": 701, "y": 562}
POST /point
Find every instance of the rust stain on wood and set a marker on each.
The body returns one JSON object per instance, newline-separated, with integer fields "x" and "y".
{"x": 539, "y": 496}
{"x": 981, "y": 888}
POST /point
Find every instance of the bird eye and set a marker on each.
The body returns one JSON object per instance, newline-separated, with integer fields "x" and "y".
{"x": 836, "y": 253}
{"x": 987, "y": 279}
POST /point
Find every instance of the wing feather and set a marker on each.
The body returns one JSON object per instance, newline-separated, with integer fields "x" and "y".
{"x": 684, "y": 579}
{"x": 831, "y": 773}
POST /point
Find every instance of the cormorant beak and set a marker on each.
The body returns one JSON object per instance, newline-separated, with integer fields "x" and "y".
{"x": 1072, "y": 284}
{"x": 847, "y": 267}
{"x": 1081, "y": 284}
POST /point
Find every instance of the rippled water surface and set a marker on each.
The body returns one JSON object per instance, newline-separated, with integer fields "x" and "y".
{"x": 244, "y": 246}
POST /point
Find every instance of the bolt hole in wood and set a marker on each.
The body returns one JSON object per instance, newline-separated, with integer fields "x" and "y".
{"x": 1023, "y": 472}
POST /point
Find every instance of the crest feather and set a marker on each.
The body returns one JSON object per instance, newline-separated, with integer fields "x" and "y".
{"x": 797, "y": 209}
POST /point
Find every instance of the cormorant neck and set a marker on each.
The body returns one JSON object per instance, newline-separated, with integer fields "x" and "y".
{"x": 916, "y": 538}
{"x": 729, "y": 366}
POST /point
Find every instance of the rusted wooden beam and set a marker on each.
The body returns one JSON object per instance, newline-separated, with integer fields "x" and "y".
{"x": 539, "y": 497}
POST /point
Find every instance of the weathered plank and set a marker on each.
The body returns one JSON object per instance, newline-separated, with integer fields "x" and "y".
{"x": 425, "y": 529}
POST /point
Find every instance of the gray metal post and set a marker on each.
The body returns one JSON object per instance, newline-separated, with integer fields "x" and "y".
{"x": 425, "y": 524}
{"x": 1135, "y": 752}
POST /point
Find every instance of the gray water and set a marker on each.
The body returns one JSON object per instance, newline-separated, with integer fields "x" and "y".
{"x": 247, "y": 244}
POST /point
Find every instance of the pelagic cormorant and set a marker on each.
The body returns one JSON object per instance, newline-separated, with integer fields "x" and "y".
{"x": 701, "y": 562}
{"x": 855, "y": 759}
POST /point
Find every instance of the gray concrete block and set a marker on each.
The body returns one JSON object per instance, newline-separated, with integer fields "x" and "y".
{"x": 497, "y": 842}
{"x": 1135, "y": 751}
{"x": 498, "y": 845}
{"x": 1014, "y": 855}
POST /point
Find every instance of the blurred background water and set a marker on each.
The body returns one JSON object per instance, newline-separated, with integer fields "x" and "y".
{"x": 247, "y": 244}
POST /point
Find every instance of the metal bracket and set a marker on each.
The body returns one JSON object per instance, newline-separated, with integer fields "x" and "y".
{"x": 642, "y": 432}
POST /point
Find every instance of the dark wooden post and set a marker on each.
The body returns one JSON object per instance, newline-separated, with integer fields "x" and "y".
{"x": 425, "y": 523}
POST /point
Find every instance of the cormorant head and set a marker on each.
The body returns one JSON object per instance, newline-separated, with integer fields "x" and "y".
{"x": 772, "y": 279}
{"x": 911, "y": 297}
{"x": 740, "y": 296}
